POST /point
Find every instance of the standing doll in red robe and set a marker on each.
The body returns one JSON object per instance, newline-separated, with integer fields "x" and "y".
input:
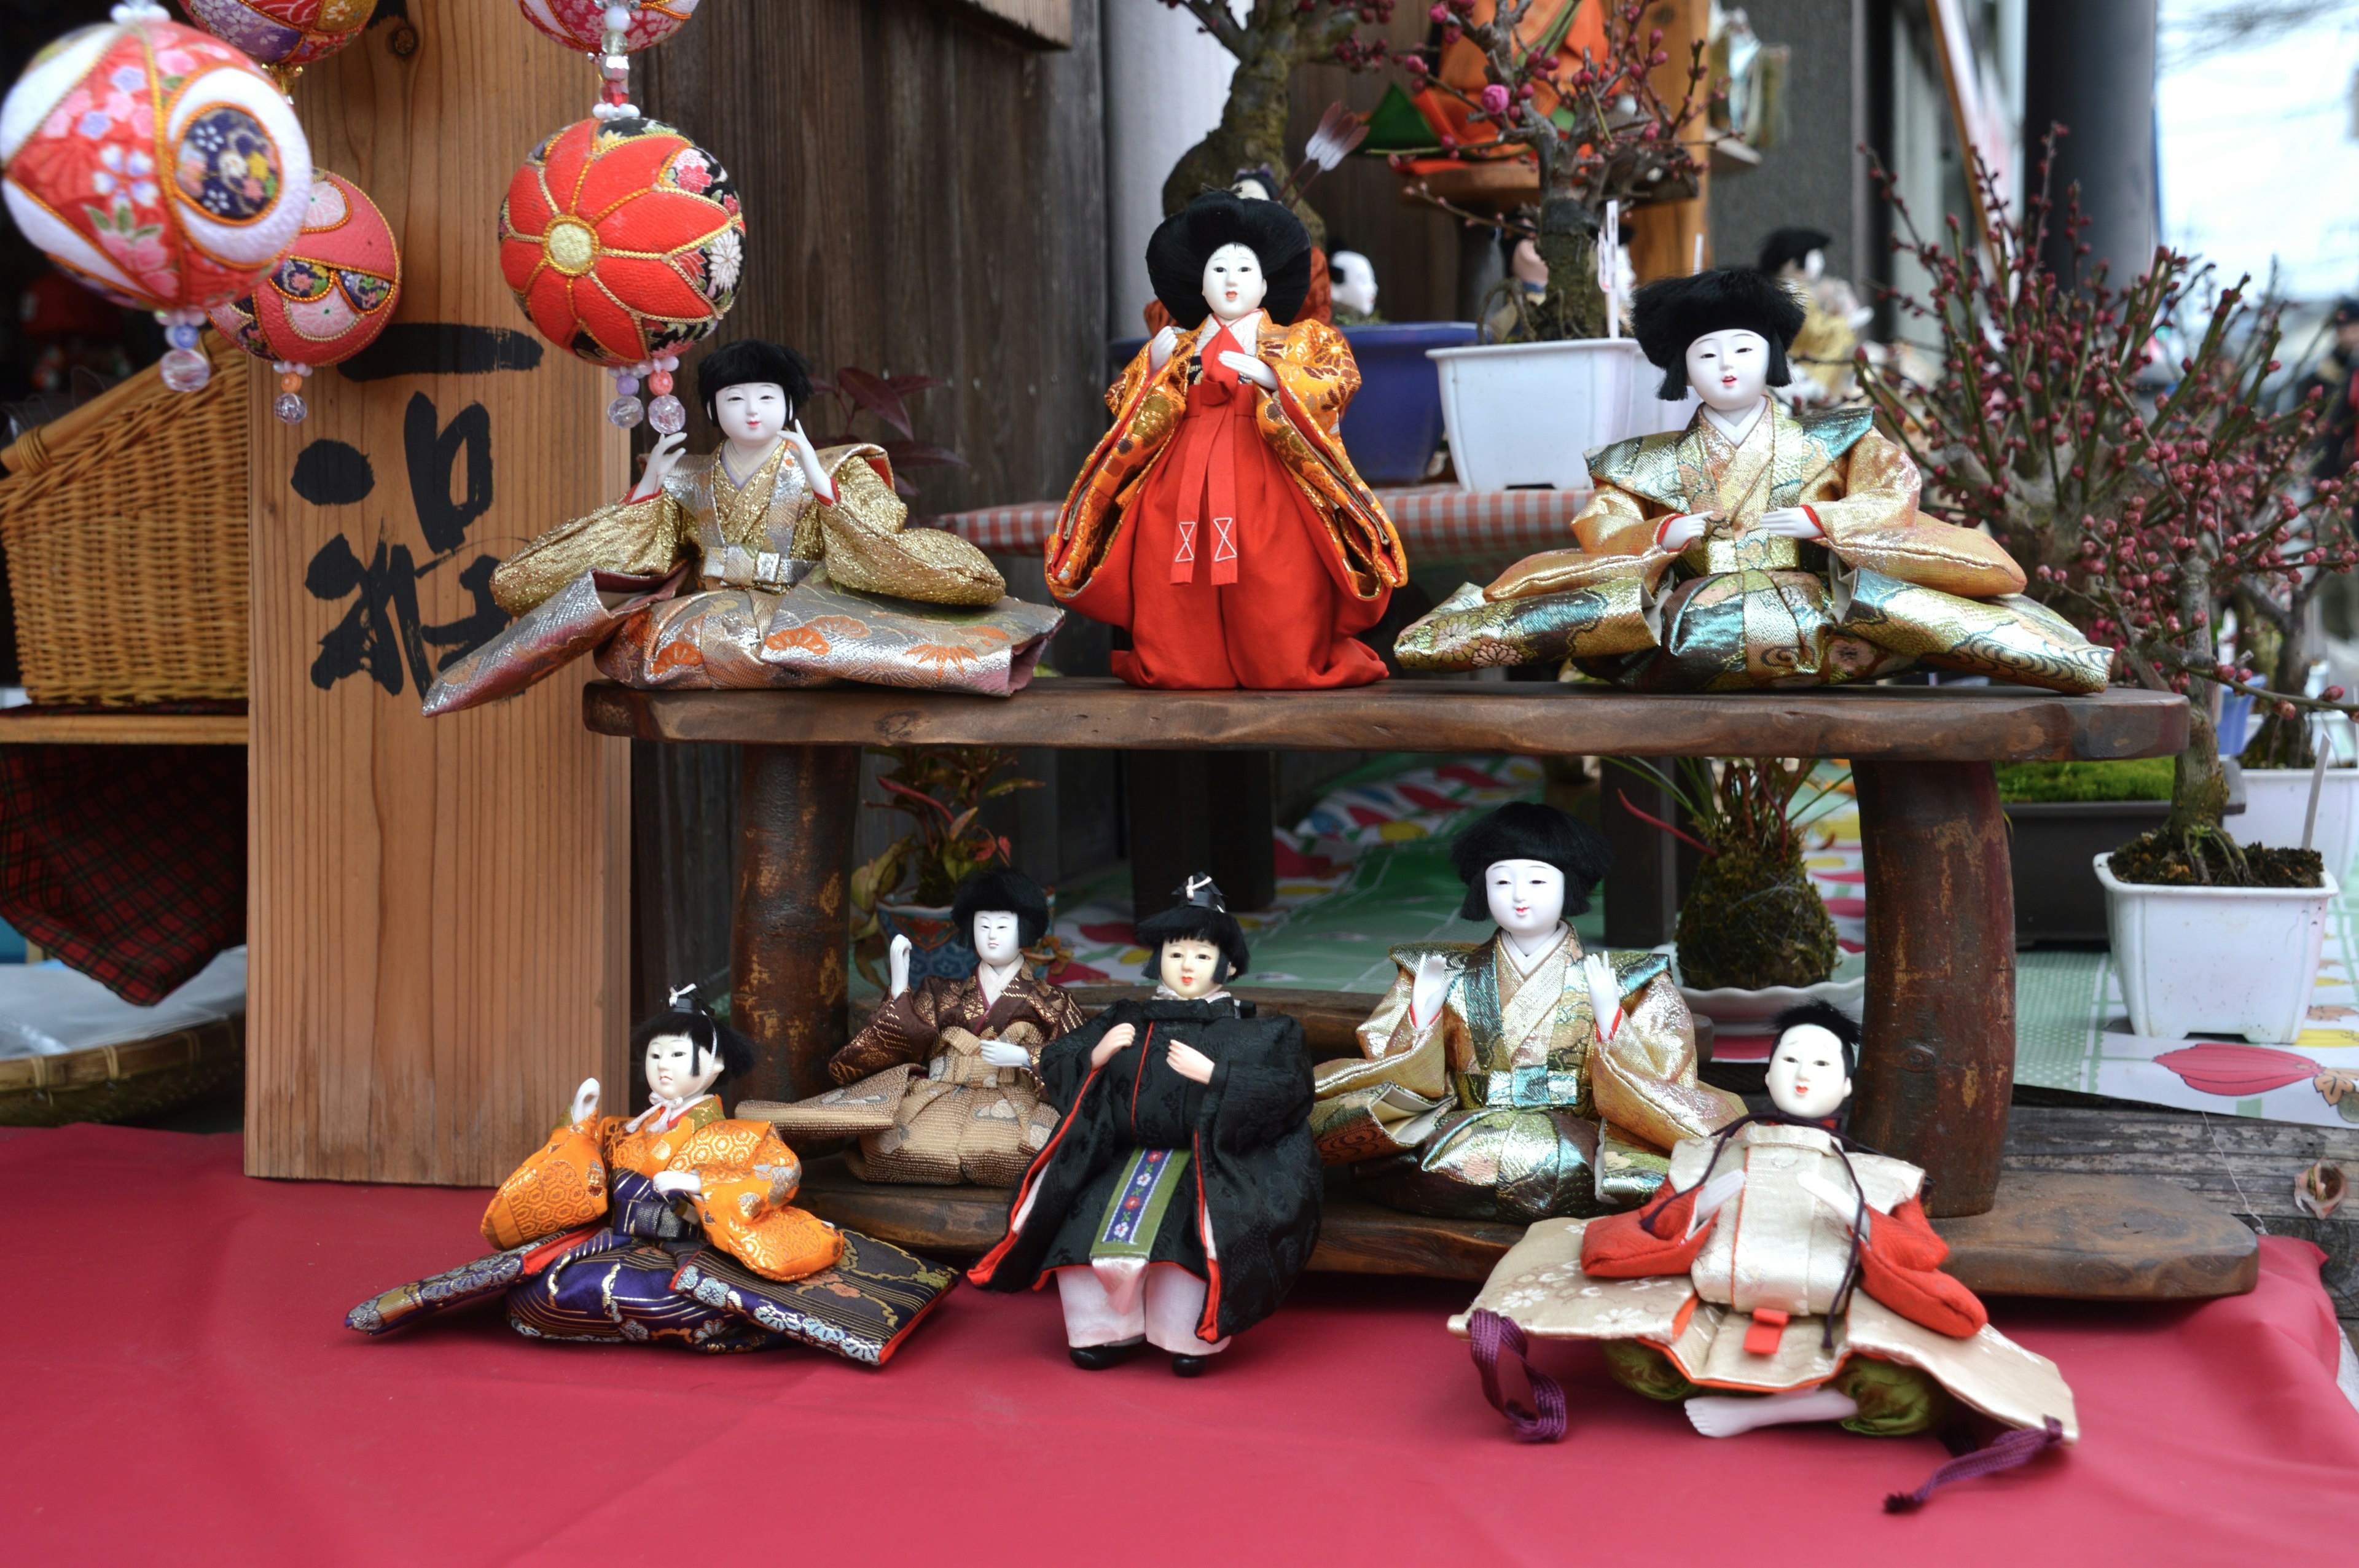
{"x": 1219, "y": 520}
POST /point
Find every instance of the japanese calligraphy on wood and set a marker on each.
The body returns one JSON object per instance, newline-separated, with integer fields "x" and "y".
{"x": 439, "y": 917}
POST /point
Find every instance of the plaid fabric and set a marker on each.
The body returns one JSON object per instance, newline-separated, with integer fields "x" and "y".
{"x": 127, "y": 862}
{"x": 1436, "y": 521}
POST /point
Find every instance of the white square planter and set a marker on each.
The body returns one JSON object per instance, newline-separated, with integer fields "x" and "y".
{"x": 2276, "y": 800}
{"x": 1529, "y": 414}
{"x": 2216, "y": 960}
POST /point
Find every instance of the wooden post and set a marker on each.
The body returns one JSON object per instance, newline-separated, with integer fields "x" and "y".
{"x": 1663, "y": 237}
{"x": 1936, "y": 1066}
{"x": 439, "y": 917}
{"x": 795, "y": 807}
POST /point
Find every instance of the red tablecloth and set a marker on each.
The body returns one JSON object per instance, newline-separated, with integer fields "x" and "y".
{"x": 181, "y": 1390}
{"x": 1436, "y": 521}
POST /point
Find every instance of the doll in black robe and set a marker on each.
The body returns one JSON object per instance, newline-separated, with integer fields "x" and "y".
{"x": 1179, "y": 1197}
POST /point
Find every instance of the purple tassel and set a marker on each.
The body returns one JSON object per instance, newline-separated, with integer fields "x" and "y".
{"x": 1489, "y": 1332}
{"x": 2002, "y": 1453}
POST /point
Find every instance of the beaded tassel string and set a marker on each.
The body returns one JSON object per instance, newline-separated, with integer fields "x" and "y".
{"x": 665, "y": 412}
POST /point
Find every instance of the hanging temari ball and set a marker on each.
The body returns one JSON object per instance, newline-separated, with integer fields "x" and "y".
{"x": 288, "y": 33}
{"x": 329, "y": 296}
{"x": 158, "y": 166}
{"x": 583, "y": 23}
{"x": 623, "y": 241}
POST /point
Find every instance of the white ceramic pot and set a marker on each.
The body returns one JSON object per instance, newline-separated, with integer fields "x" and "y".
{"x": 1524, "y": 415}
{"x": 2276, "y": 800}
{"x": 2218, "y": 961}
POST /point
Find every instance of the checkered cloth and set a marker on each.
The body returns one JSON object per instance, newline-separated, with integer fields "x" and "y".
{"x": 127, "y": 862}
{"x": 1436, "y": 521}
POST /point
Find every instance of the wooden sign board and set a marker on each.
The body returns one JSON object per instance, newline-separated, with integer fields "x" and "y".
{"x": 438, "y": 921}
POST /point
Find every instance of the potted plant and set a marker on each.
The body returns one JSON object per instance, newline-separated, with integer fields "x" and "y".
{"x": 2279, "y": 757}
{"x": 1527, "y": 410}
{"x": 1753, "y": 937}
{"x": 906, "y": 889}
{"x": 2059, "y": 816}
{"x": 2145, "y": 489}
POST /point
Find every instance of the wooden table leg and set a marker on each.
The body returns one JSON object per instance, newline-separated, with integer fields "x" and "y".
{"x": 794, "y": 811}
{"x": 1937, "y": 1068}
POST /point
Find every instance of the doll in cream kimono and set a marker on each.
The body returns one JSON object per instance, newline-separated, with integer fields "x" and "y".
{"x": 943, "y": 1085}
{"x": 1783, "y": 1275}
{"x": 1756, "y": 547}
{"x": 1520, "y": 1077}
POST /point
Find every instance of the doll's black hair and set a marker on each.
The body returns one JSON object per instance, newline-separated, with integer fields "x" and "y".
{"x": 751, "y": 361}
{"x": 1005, "y": 889}
{"x": 1202, "y": 915}
{"x": 1526, "y": 830}
{"x": 1832, "y": 1018}
{"x": 1668, "y": 314}
{"x": 1788, "y": 246}
{"x": 1180, "y": 246}
{"x": 687, "y": 1014}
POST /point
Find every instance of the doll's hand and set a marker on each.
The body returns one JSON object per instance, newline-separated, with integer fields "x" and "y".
{"x": 898, "y": 966}
{"x": 1676, "y": 533}
{"x": 1845, "y": 1206}
{"x": 1160, "y": 348}
{"x": 1189, "y": 1063}
{"x": 1000, "y": 1053}
{"x": 1117, "y": 1039}
{"x": 660, "y": 462}
{"x": 1249, "y": 368}
{"x": 585, "y": 1102}
{"x": 1790, "y": 523}
{"x": 807, "y": 458}
{"x": 1427, "y": 992}
{"x": 1604, "y": 994}
{"x": 1714, "y": 1199}
{"x": 675, "y": 1184}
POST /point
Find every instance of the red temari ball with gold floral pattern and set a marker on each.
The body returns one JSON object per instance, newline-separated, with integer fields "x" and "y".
{"x": 331, "y": 293}
{"x": 583, "y": 23}
{"x": 623, "y": 239}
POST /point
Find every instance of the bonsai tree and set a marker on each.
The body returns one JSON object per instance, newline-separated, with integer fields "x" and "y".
{"x": 1600, "y": 131}
{"x": 2144, "y": 490}
{"x": 1274, "y": 37}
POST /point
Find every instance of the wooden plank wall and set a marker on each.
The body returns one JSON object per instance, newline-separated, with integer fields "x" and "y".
{"x": 438, "y": 914}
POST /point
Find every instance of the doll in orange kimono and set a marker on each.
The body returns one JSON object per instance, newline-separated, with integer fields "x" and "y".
{"x": 1220, "y": 521}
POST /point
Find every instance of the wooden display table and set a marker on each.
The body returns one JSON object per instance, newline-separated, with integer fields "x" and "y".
{"x": 1936, "y": 1066}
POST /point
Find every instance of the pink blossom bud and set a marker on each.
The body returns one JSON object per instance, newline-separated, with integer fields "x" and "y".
{"x": 1495, "y": 99}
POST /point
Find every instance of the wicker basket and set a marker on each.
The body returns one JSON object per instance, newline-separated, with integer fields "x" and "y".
{"x": 114, "y": 1083}
{"x": 125, "y": 527}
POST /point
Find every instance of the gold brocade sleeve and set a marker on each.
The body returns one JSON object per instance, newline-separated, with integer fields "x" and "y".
{"x": 870, "y": 550}
{"x": 1317, "y": 367}
{"x": 640, "y": 538}
{"x": 1396, "y": 1050}
{"x": 1866, "y": 502}
{"x": 559, "y": 1185}
{"x": 1615, "y": 531}
{"x": 748, "y": 1178}
{"x": 1618, "y": 522}
{"x": 1644, "y": 1079}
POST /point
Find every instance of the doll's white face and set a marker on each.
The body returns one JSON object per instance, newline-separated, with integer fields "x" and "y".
{"x": 1189, "y": 967}
{"x": 997, "y": 937}
{"x": 674, "y": 1069}
{"x": 1730, "y": 370}
{"x": 1250, "y": 189}
{"x": 752, "y": 413}
{"x": 1806, "y": 1074}
{"x": 1526, "y": 896}
{"x": 1355, "y": 281}
{"x": 1233, "y": 286}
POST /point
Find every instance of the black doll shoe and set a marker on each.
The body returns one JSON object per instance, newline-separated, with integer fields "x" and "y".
{"x": 1188, "y": 1365}
{"x": 1098, "y": 1357}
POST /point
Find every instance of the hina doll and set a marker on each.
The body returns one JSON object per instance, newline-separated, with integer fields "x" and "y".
{"x": 675, "y": 1226}
{"x": 943, "y": 1085}
{"x": 1220, "y": 521}
{"x": 1827, "y": 1304}
{"x": 1518, "y": 1077}
{"x": 764, "y": 563}
{"x": 1179, "y": 1196}
{"x": 1831, "y": 316}
{"x": 1756, "y": 547}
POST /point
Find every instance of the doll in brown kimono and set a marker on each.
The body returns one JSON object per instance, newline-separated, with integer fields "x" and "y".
{"x": 953, "y": 1063}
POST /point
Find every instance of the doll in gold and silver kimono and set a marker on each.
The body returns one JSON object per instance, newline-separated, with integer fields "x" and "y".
{"x": 1756, "y": 547}
{"x": 1518, "y": 1077}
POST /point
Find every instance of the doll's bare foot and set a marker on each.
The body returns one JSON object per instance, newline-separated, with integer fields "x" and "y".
{"x": 1720, "y": 1415}
{"x": 1098, "y": 1357}
{"x": 1188, "y": 1365}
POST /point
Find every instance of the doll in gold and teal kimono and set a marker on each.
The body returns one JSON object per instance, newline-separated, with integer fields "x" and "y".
{"x": 1520, "y": 1077}
{"x": 1756, "y": 547}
